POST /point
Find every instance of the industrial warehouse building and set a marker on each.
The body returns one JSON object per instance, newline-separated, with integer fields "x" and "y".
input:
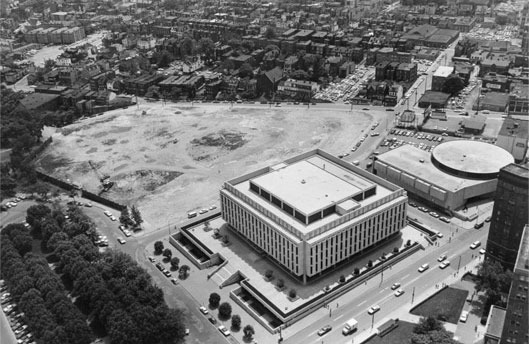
{"x": 453, "y": 175}
{"x": 313, "y": 211}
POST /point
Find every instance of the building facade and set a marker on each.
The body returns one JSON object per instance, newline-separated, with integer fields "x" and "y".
{"x": 515, "y": 329}
{"x": 313, "y": 212}
{"x": 509, "y": 215}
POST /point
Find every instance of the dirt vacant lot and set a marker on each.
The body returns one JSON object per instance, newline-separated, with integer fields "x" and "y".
{"x": 170, "y": 159}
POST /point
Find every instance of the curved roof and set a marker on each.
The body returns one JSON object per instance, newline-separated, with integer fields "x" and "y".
{"x": 471, "y": 157}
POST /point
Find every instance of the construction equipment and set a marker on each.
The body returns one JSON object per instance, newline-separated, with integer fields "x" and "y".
{"x": 106, "y": 183}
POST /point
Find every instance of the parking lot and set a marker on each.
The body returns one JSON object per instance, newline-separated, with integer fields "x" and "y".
{"x": 14, "y": 317}
{"x": 347, "y": 88}
{"x": 399, "y": 137}
{"x": 500, "y": 33}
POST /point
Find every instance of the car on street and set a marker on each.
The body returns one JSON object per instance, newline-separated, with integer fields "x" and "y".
{"x": 434, "y": 214}
{"x": 373, "y": 309}
{"x": 167, "y": 273}
{"x": 444, "y": 219}
{"x": 413, "y": 205}
{"x": 399, "y": 292}
{"x": 152, "y": 259}
{"x": 107, "y": 213}
{"x": 202, "y": 211}
{"x": 212, "y": 320}
{"x": 423, "y": 267}
{"x": 324, "y": 330}
{"x": 203, "y": 310}
{"x": 113, "y": 218}
{"x": 122, "y": 241}
{"x": 224, "y": 330}
{"x": 395, "y": 285}
{"x": 423, "y": 209}
{"x": 440, "y": 235}
{"x": 479, "y": 225}
{"x": 127, "y": 233}
{"x": 441, "y": 258}
{"x": 375, "y": 134}
{"x": 174, "y": 281}
{"x": 464, "y": 316}
{"x": 365, "y": 109}
{"x": 213, "y": 207}
{"x": 488, "y": 219}
{"x": 88, "y": 205}
{"x": 159, "y": 266}
{"x": 444, "y": 264}
{"x": 482, "y": 251}
{"x": 475, "y": 245}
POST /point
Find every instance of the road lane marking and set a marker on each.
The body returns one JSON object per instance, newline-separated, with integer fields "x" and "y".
{"x": 362, "y": 303}
{"x": 341, "y": 316}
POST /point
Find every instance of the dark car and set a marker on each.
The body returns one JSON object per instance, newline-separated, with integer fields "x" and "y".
{"x": 212, "y": 320}
{"x": 479, "y": 225}
{"x": 159, "y": 266}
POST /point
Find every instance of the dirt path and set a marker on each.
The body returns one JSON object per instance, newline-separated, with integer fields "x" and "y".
{"x": 173, "y": 159}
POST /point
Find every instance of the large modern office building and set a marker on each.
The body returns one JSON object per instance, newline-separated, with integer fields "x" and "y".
{"x": 313, "y": 212}
{"x": 454, "y": 174}
{"x": 510, "y": 215}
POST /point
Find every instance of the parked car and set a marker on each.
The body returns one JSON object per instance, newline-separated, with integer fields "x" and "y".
{"x": 444, "y": 219}
{"x": 441, "y": 258}
{"x": 395, "y": 285}
{"x": 121, "y": 241}
{"x": 203, "y": 310}
{"x": 475, "y": 244}
{"x": 434, "y": 214}
{"x": 464, "y": 316}
{"x": 224, "y": 330}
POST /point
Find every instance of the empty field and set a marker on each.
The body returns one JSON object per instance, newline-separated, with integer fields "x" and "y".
{"x": 171, "y": 159}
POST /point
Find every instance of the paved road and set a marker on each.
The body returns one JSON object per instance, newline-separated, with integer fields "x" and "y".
{"x": 378, "y": 290}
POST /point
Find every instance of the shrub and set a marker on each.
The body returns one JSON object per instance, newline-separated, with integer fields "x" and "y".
{"x": 395, "y": 250}
{"x": 158, "y": 247}
{"x": 248, "y": 331}
{"x": 408, "y": 243}
{"x": 174, "y": 263}
{"x": 214, "y": 300}
{"x": 280, "y": 283}
{"x": 167, "y": 253}
{"x": 370, "y": 264}
{"x": 269, "y": 274}
{"x": 236, "y": 321}
{"x": 292, "y": 293}
{"x": 342, "y": 279}
{"x": 225, "y": 310}
{"x": 356, "y": 271}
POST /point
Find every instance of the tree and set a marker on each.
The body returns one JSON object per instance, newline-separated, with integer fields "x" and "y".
{"x": 280, "y": 283}
{"x": 427, "y": 324}
{"x": 225, "y": 310}
{"x": 227, "y": 65}
{"x": 300, "y": 75}
{"x": 188, "y": 46}
{"x": 125, "y": 219}
{"x": 158, "y": 247}
{"x": 248, "y": 331}
{"x": 292, "y": 293}
{"x": 184, "y": 270}
{"x": 136, "y": 215}
{"x": 356, "y": 271}
{"x": 370, "y": 264}
{"x": 494, "y": 281}
{"x": 167, "y": 253}
{"x": 431, "y": 331}
{"x": 269, "y": 274}
{"x": 236, "y": 321}
{"x": 206, "y": 47}
{"x": 342, "y": 279}
{"x": 174, "y": 263}
{"x": 246, "y": 70}
{"x": 214, "y": 300}
{"x": 270, "y": 33}
{"x": 453, "y": 85}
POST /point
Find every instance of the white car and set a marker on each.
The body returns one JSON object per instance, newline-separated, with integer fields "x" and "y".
{"x": 113, "y": 218}
{"x": 464, "y": 316}
{"x": 373, "y": 309}
{"x": 121, "y": 241}
{"x": 107, "y": 213}
{"x": 224, "y": 330}
{"x": 475, "y": 244}
{"x": 440, "y": 235}
{"x": 444, "y": 264}
{"x": 482, "y": 251}
{"x": 127, "y": 233}
{"x": 204, "y": 310}
{"x": 423, "y": 267}
{"x": 441, "y": 258}
{"x": 395, "y": 285}
{"x": 399, "y": 292}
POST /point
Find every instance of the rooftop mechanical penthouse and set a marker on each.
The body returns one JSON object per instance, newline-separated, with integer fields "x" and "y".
{"x": 313, "y": 211}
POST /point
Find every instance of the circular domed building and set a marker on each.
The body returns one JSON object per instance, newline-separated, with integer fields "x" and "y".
{"x": 454, "y": 174}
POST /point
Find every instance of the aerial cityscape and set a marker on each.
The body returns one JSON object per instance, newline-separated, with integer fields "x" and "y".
{"x": 243, "y": 172}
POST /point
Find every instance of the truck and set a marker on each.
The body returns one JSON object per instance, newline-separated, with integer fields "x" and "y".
{"x": 350, "y": 326}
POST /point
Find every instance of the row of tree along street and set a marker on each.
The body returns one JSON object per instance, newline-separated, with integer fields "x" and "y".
{"x": 113, "y": 295}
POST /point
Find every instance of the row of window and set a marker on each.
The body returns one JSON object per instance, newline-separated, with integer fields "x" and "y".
{"x": 267, "y": 238}
{"x": 355, "y": 238}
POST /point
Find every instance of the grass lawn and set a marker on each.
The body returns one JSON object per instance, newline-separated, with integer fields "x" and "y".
{"x": 446, "y": 305}
{"x": 400, "y": 335}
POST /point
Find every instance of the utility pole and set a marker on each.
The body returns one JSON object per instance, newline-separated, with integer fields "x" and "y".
{"x": 413, "y": 295}
{"x": 459, "y": 263}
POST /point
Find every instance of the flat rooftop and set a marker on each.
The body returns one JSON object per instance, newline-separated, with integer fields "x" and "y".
{"x": 495, "y": 322}
{"x": 408, "y": 159}
{"x": 326, "y": 182}
{"x": 512, "y": 127}
{"x": 312, "y": 185}
{"x": 443, "y": 71}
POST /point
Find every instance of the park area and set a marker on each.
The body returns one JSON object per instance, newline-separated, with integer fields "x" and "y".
{"x": 169, "y": 159}
{"x": 446, "y": 305}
